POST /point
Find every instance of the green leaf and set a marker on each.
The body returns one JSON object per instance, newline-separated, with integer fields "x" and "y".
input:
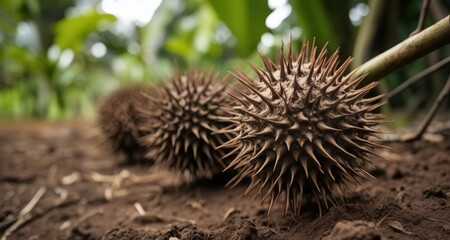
{"x": 246, "y": 19}
{"x": 10, "y": 10}
{"x": 195, "y": 44}
{"x": 72, "y": 32}
{"x": 181, "y": 45}
{"x": 314, "y": 20}
{"x": 204, "y": 33}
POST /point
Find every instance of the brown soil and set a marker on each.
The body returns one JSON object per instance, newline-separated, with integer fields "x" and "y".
{"x": 88, "y": 197}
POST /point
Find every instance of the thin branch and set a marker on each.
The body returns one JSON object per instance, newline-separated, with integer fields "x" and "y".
{"x": 139, "y": 208}
{"x": 76, "y": 224}
{"x": 33, "y": 201}
{"x": 428, "y": 40}
{"x": 382, "y": 219}
{"x": 25, "y": 213}
{"x": 436, "y": 67}
{"x": 423, "y": 15}
{"x": 86, "y": 216}
{"x": 430, "y": 115}
{"x": 152, "y": 218}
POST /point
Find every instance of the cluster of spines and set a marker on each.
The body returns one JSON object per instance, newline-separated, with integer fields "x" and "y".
{"x": 119, "y": 122}
{"x": 181, "y": 120}
{"x": 290, "y": 123}
{"x": 302, "y": 129}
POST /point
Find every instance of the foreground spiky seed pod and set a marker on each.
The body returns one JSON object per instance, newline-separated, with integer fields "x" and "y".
{"x": 118, "y": 120}
{"x": 302, "y": 130}
{"x": 182, "y": 117}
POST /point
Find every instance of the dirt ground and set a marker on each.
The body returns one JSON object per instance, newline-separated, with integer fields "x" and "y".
{"x": 55, "y": 184}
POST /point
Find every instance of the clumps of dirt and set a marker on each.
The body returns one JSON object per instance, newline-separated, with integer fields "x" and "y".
{"x": 409, "y": 199}
{"x": 238, "y": 227}
{"x": 169, "y": 232}
{"x": 186, "y": 231}
{"x": 235, "y": 227}
{"x": 354, "y": 230}
{"x": 118, "y": 233}
{"x": 436, "y": 192}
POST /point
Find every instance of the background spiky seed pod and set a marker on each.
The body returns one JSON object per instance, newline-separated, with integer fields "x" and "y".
{"x": 182, "y": 117}
{"x": 303, "y": 130}
{"x": 118, "y": 121}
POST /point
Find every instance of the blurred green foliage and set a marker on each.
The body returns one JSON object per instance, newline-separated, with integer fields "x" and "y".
{"x": 245, "y": 19}
{"x": 58, "y": 57}
{"x": 72, "y": 32}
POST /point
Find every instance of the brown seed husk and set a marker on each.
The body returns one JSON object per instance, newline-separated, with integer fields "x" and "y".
{"x": 118, "y": 120}
{"x": 302, "y": 129}
{"x": 182, "y": 116}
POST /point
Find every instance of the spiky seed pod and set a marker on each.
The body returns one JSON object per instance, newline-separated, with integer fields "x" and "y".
{"x": 118, "y": 120}
{"x": 182, "y": 117}
{"x": 302, "y": 130}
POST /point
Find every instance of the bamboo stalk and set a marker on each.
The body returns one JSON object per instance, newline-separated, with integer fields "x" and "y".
{"x": 414, "y": 47}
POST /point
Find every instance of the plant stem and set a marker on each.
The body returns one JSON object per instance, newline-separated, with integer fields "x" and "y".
{"x": 423, "y": 14}
{"x": 417, "y": 77}
{"x": 430, "y": 115}
{"x": 414, "y": 47}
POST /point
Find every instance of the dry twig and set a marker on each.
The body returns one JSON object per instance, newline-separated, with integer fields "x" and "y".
{"x": 85, "y": 217}
{"x": 114, "y": 180}
{"x": 267, "y": 229}
{"x": 199, "y": 206}
{"x": 25, "y": 214}
{"x": 139, "y": 208}
{"x": 382, "y": 219}
{"x": 228, "y": 213}
{"x": 75, "y": 230}
{"x": 430, "y": 115}
{"x": 152, "y": 218}
{"x": 398, "y": 226}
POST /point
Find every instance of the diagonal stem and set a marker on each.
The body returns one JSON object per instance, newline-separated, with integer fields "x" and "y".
{"x": 423, "y": 14}
{"x": 424, "y": 42}
{"x": 430, "y": 115}
{"x": 436, "y": 67}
